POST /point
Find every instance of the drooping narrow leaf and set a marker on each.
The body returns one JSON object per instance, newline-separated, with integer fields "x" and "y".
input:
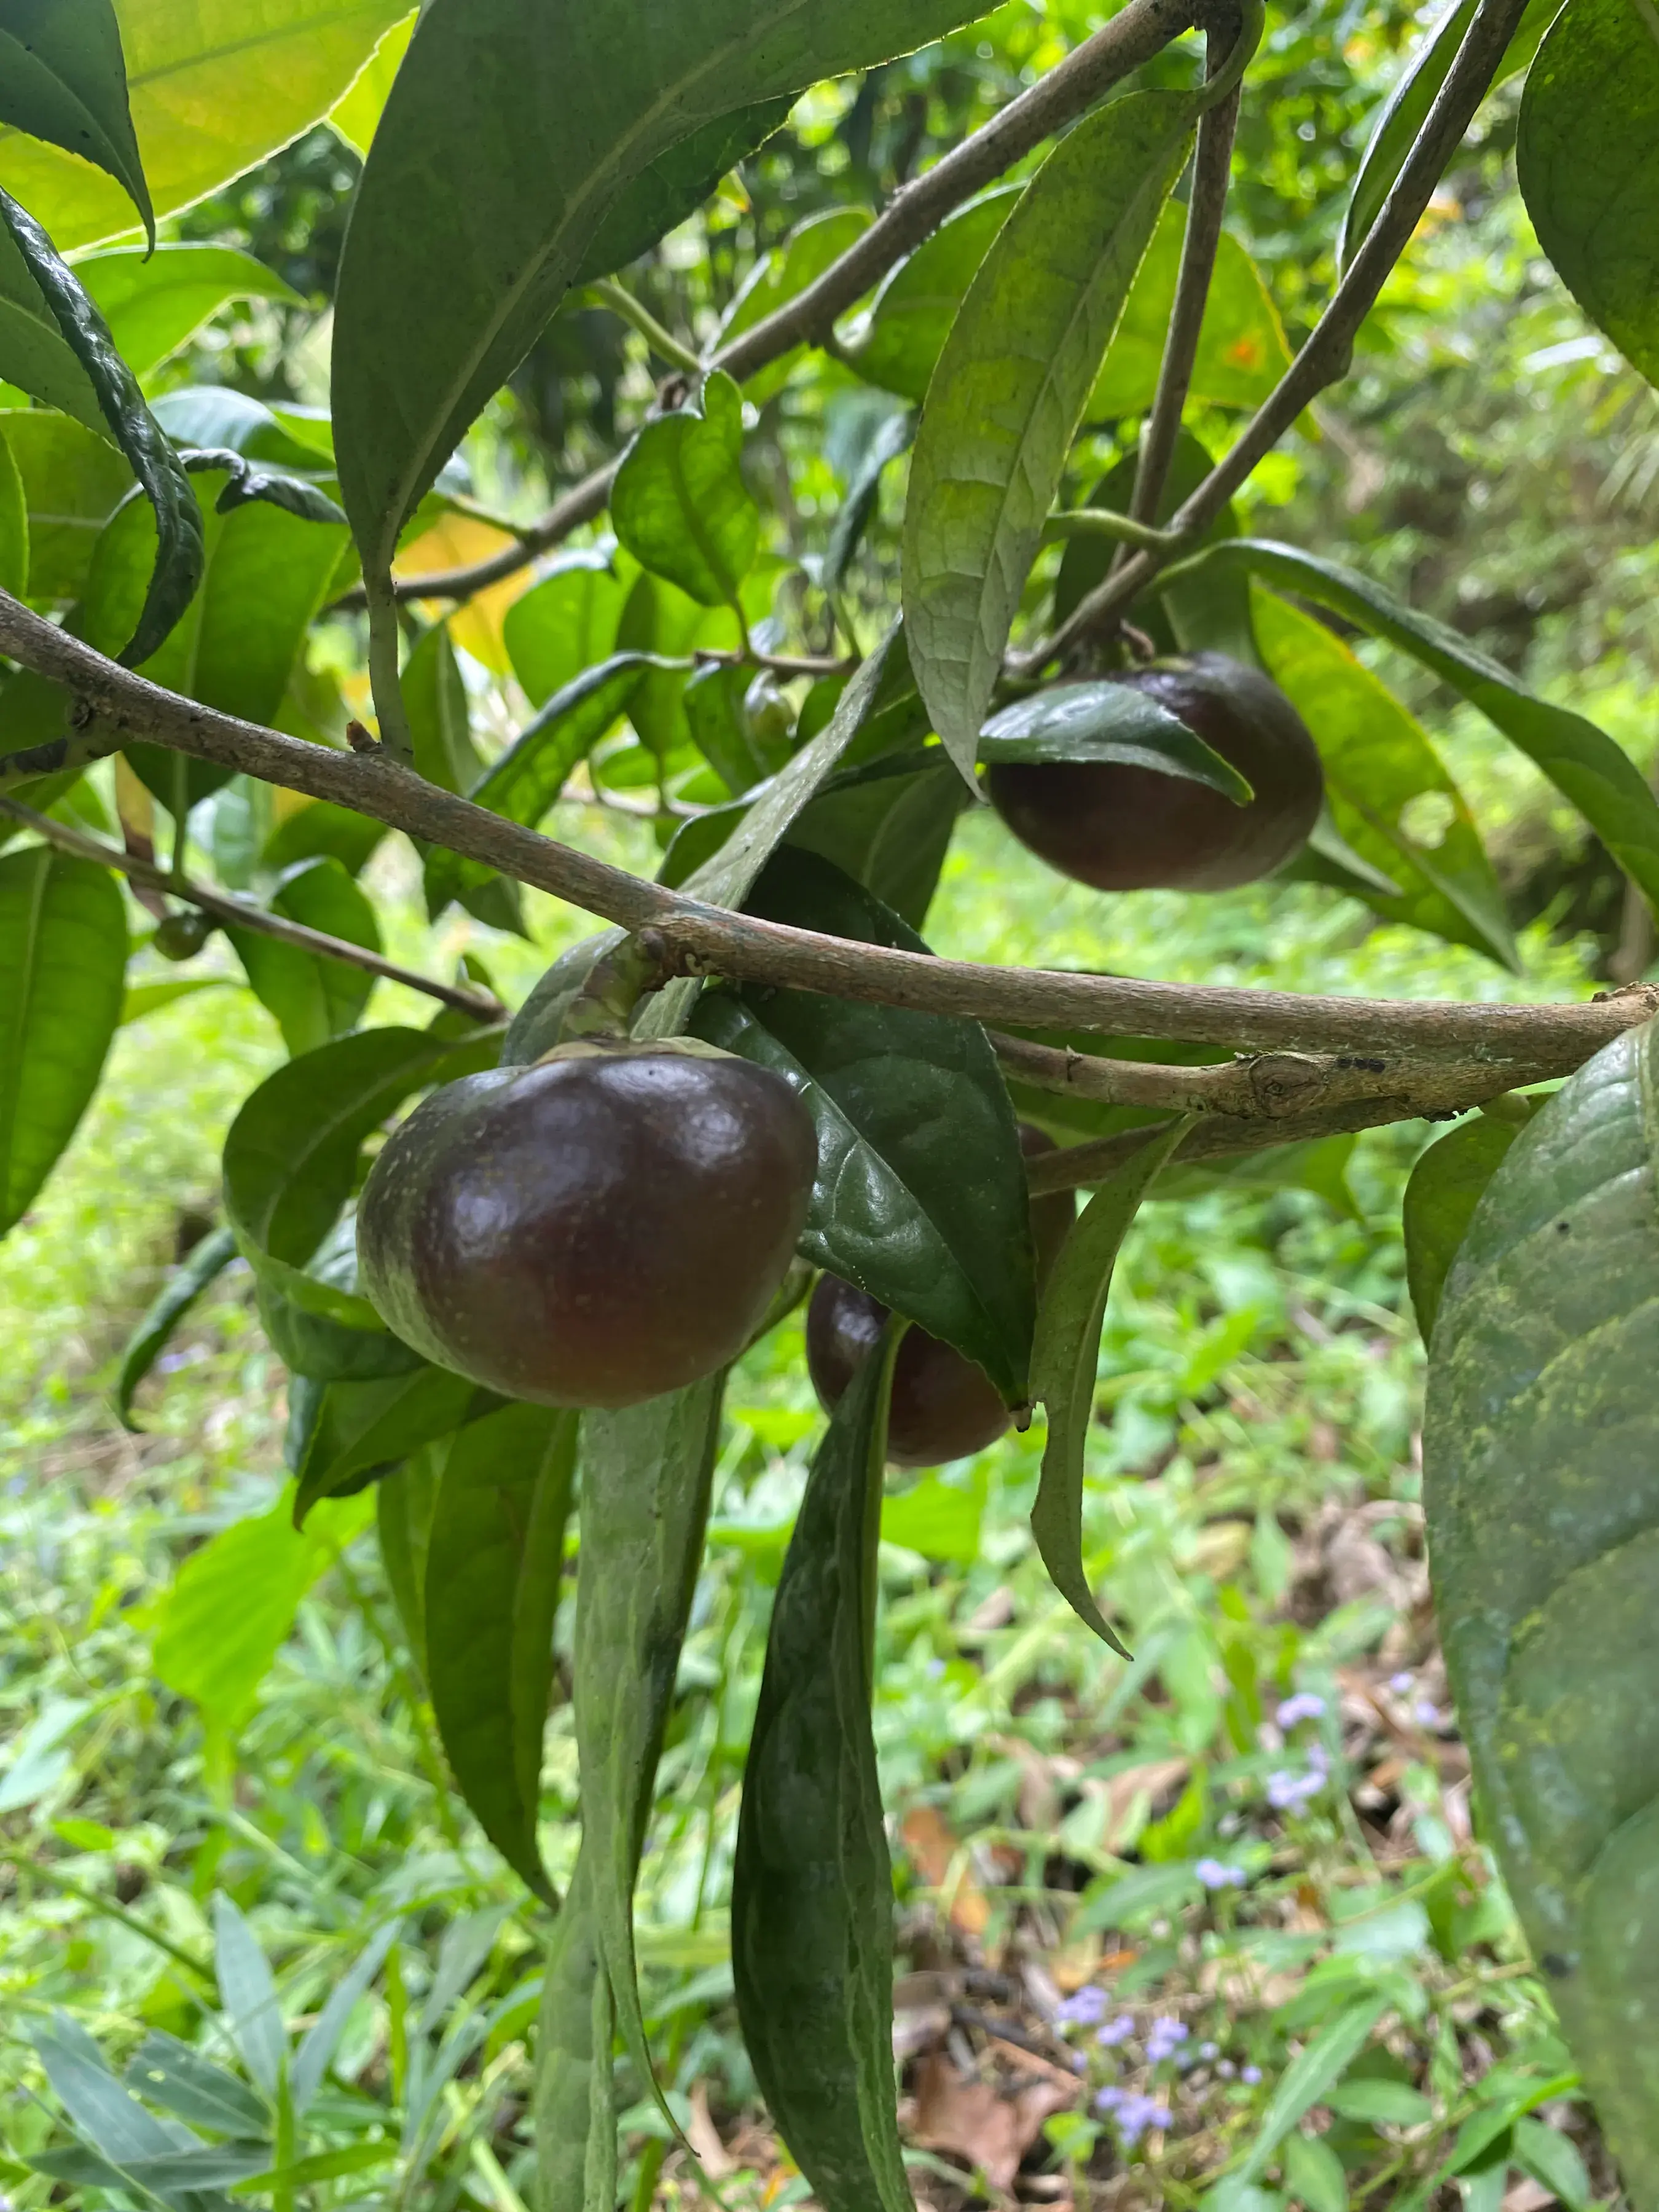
{"x": 171, "y": 1302}
{"x": 63, "y": 78}
{"x": 646, "y": 1477}
{"x": 213, "y": 88}
{"x": 247, "y": 1990}
{"x": 1584, "y": 764}
{"x": 1063, "y": 1366}
{"x": 1446, "y": 1185}
{"x": 920, "y": 1196}
{"x": 575, "y": 2103}
{"x": 508, "y": 137}
{"x": 1389, "y": 793}
{"x": 62, "y": 960}
{"x": 680, "y": 505}
{"x": 493, "y": 1560}
{"x": 1105, "y": 722}
{"x": 1593, "y": 195}
{"x": 910, "y": 318}
{"x": 1010, "y": 390}
{"x": 1541, "y": 1488}
{"x": 364, "y": 1429}
{"x": 181, "y": 553}
{"x": 812, "y": 1884}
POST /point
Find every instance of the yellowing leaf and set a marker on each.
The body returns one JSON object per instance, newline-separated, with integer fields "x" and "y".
{"x": 453, "y": 542}
{"x": 355, "y": 116}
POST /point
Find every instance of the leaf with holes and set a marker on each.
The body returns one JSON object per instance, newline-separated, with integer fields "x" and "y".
{"x": 1540, "y": 1466}
{"x": 1010, "y": 390}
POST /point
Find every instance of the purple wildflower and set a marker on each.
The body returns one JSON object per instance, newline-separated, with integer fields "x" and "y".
{"x": 1286, "y": 1788}
{"x": 1135, "y": 2114}
{"x": 1214, "y": 1874}
{"x": 1162, "y": 2037}
{"x": 1304, "y": 1706}
{"x": 1400, "y": 1683}
{"x": 1250, "y": 2074}
{"x": 1426, "y": 1713}
{"x": 1208, "y": 2050}
{"x": 1086, "y": 2009}
{"x": 1116, "y": 2031}
{"x": 1226, "y": 2070}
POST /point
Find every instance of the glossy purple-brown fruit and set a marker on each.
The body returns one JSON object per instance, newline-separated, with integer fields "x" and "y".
{"x": 593, "y": 1231}
{"x": 944, "y": 1405}
{"x": 1124, "y": 828}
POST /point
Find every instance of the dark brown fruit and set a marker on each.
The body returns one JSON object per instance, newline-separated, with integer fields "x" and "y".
{"x": 1123, "y": 829}
{"x": 943, "y": 1406}
{"x": 607, "y": 1226}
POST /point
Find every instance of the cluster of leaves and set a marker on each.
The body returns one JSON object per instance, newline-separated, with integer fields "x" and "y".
{"x": 202, "y": 535}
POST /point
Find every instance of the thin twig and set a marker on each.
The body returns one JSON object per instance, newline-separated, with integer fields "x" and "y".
{"x": 1141, "y": 30}
{"x": 237, "y": 914}
{"x": 1515, "y": 1043}
{"x": 1328, "y": 352}
{"x": 1102, "y": 522}
{"x": 662, "y": 342}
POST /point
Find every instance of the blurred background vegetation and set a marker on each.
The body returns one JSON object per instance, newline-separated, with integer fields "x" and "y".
{"x": 1253, "y": 1507}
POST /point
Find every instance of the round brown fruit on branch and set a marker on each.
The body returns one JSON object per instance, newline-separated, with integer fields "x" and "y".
{"x": 1127, "y": 828}
{"x": 605, "y": 1226}
{"x": 943, "y": 1406}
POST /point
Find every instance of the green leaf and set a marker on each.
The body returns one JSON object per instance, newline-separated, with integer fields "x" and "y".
{"x": 676, "y": 184}
{"x": 1108, "y": 722}
{"x": 322, "y": 2038}
{"x": 214, "y": 88}
{"x": 63, "y": 958}
{"x": 646, "y": 1477}
{"x": 506, "y": 139}
{"x": 440, "y": 734}
{"x": 14, "y": 525}
{"x": 1390, "y": 796}
{"x": 1314, "y": 2174}
{"x": 155, "y": 303}
{"x": 941, "y": 1517}
{"x": 811, "y": 1883}
{"x": 321, "y": 1345}
{"x": 320, "y": 829}
{"x": 1584, "y": 764}
{"x": 1446, "y": 1185}
{"x": 1554, "y": 2160}
{"x": 356, "y": 115}
{"x": 313, "y": 998}
{"x": 565, "y": 624}
{"x": 575, "y": 2085}
{"x": 910, "y": 318}
{"x": 64, "y": 79}
{"x": 495, "y": 1557}
{"x": 888, "y": 826}
{"x": 247, "y": 1991}
{"x": 100, "y": 2107}
{"x": 1064, "y": 1363}
{"x": 1594, "y": 195}
{"x": 920, "y": 1196}
{"x": 1010, "y": 390}
{"x": 1538, "y": 1486}
{"x": 266, "y": 574}
{"x": 1242, "y": 353}
{"x": 33, "y": 354}
{"x": 180, "y": 555}
{"x": 525, "y": 781}
{"x": 73, "y": 481}
{"x": 724, "y": 732}
{"x": 215, "y": 414}
{"x": 176, "y": 2076}
{"x": 290, "y": 1158}
{"x": 781, "y": 276}
{"x": 1318, "y": 2066}
{"x": 404, "y": 1508}
{"x": 858, "y": 510}
{"x": 171, "y": 1302}
{"x": 1395, "y": 2104}
{"x": 362, "y": 1429}
{"x": 233, "y": 1603}
{"x": 679, "y": 504}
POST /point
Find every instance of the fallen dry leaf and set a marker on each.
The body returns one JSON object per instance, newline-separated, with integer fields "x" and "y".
{"x": 935, "y": 1852}
{"x": 974, "y": 2120}
{"x": 704, "y": 2138}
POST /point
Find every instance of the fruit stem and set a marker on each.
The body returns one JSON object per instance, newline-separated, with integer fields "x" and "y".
{"x": 605, "y": 1006}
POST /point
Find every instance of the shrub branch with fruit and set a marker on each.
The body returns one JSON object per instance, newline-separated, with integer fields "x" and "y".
{"x": 760, "y": 1075}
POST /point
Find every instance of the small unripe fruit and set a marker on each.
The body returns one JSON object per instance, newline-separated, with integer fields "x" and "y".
{"x": 943, "y": 1406}
{"x": 607, "y": 1226}
{"x": 1124, "y": 828}
{"x": 181, "y": 935}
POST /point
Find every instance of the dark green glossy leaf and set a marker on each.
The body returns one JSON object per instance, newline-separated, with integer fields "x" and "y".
{"x": 921, "y": 1195}
{"x": 34, "y": 353}
{"x": 679, "y": 504}
{"x": 676, "y": 186}
{"x": 1593, "y": 194}
{"x": 63, "y": 78}
{"x": 290, "y": 1158}
{"x": 63, "y": 962}
{"x": 779, "y": 277}
{"x": 1446, "y": 1185}
{"x": 205, "y": 415}
{"x": 153, "y": 302}
{"x": 858, "y": 510}
{"x": 646, "y": 1476}
{"x": 319, "y": 1345}
{"x": 911, "y": 316}
{"x": 171, "y": 1302}
{"x": 495, "y": 1559}
{"x": 73, "y": 481}
{"x": 1390, "y": 796}
{"x": 812, "y": 1884}
{"x": 1010, "y": 390}
{"x": 1063, "y": 1364}
{"x": 564, "y": 623}
{"x": 1406, "y": 108}
{"x": 888, "y": 826}
{"x": 362, "y": 1429}
{"x": 1540, "y": 1484}
{"x": 731, "y": 737}
{"x": 1242, "y": 353}
{"x": 508, "y": 138}
{"x": 527, "y": 779}
{"x": 1107, "y": 722}
{"x": 180, "y": 553}
{"x": 574, "y": 2104}
{"x": 321, "y": 829}
{"x": 1327, "y": 858}
{"x": 313, "y": 997}
{"x": 1584, "y": 764}
{"x": 403, "y": 1507}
